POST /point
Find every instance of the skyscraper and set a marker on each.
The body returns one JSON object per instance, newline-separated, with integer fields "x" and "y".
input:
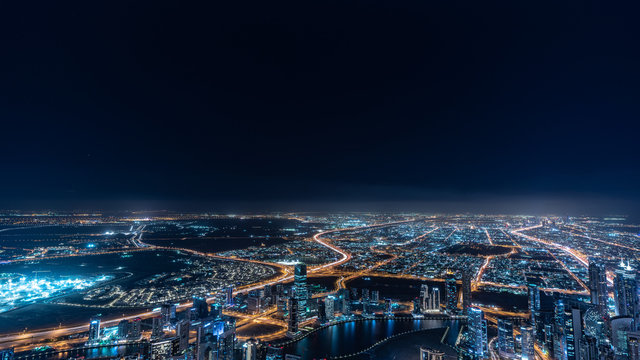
{"x": 626, "y": 295}
{"x": 228, "y": 296}
{"x": 466, "y": 291}
{"x": 300, "y": 292}
{"x": 477, "y": 333}
{"x": 182, "y": 331}
{"x": 506, "y": 346}
{"x": 559, "y": 339}
{"x": 451, "y": 293}
{"x": 292, "y": 323}
{"x": 598, "y": 285}
{"x": 135, "y": 331}
{"x": 534, "y": 301}
{"x": 329, "y": 302}
{"x": 156, "y": 327}
{"x": 633, "y": 345}
{"x": 123, "y": 329}
{"x": 527, "y": 337}
{"x": 6, "y": 354}
{"x": 200, "y": 307}
{"x": 250, "y": 350}
{"x": 94, "y": 329}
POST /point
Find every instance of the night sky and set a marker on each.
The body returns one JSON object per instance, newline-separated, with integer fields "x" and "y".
{"x": 493, "y": 106}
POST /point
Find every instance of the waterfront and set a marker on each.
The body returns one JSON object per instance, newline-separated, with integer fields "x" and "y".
{"x": 352, "y": 337}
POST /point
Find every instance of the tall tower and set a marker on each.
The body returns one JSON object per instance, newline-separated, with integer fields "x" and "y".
{"x": 477, "y": 327}
{"x": 451, "y": 293}
{"x": 527, "y": 343}
{"x": 466, "y": 291}
{"x": 292, "y": 323}
{"x": 300, "y": 286}
{"x": 506, "y": 345}
{"x": 598, "y": 286}
{"x": 626, "y": 295}
{"x": 94, "y": 329}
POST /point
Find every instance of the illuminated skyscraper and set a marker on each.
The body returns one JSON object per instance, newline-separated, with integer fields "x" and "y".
{"x": 477, "y": 333}
{"x": 94, "y": 329}
{"x": 329, "y": 302}
{"x": 228, "y": 294}
{"x": 375, "y": 296}
{"x": 626, "y": 295}
{"x": 6, "y": 354}
{"x": 123, "y": 329}
{"x": 300, "y": 286}
{"x": 182, "y": 331}
{"x": 200, "y": 307}
{"x": 157, "y": 327}
{"x": 451, "y": 293}
{"x": 527, "y": 337}
{"x": 506, "y": 345}
{"x": 168, "y": 313}
{"x": 466, "y": 291}
{"x": 250, "y": 350}
{"x": 559, "y": 339}
{"x": 534, "y": 300}
{"x": 135, "y": 331}
{"x": 633, "y": 345}
{"x": 293, "y": 320}
{"x": 598, "y": 285}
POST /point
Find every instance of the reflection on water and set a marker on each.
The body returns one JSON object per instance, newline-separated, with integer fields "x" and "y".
{"x": 351, "y": 337}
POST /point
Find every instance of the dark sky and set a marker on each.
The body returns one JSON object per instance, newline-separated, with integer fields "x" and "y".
{"x": 296, "y": 103}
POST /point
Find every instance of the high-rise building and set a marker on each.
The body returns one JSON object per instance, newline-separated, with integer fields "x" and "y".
{"x": 123, "y": 329}
{"x": 200, "y": 307}
{"x": 329, "y": 307}
{"x": 6, "y": 354}
{"x": 167, "y": 313}
{"x": 466, "y": 291}
{"x": 301, "y": 292}
{"x": 633, "y": 345}
{"x": 344, "y": 301}
{"x": 589, "y": 348}
{"x": 94, "y": 329}
{"x": 477, "y": 333}
{"x": 157, "y": 327}
{"x": 293, "y": 321}
{"x": 365, "y": 295}
{"x": 506, "y": 345}
{"x": 435, "y": 298}
{"x": 250, "y": 350}
{"x": 626, "y": 295}
{"x": 559, "y": 338}
{"x": 598, "y": 285}
{"x": 182, "y": 331}
{"x": 621, "y": 326}
{"x": 430, "y": 354}
{"x": 451, "y": 293}
{"x": 161, "y": 349}
{"x": 322, "y": 312}
{"x": 228, "y": 296}
{"x": 573, "y": 333}
{"x": 375, "y": 296}
{"x": 534, "y": 300}
{"x": 527, "y": 342}
{"x": 135, "y": 331}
